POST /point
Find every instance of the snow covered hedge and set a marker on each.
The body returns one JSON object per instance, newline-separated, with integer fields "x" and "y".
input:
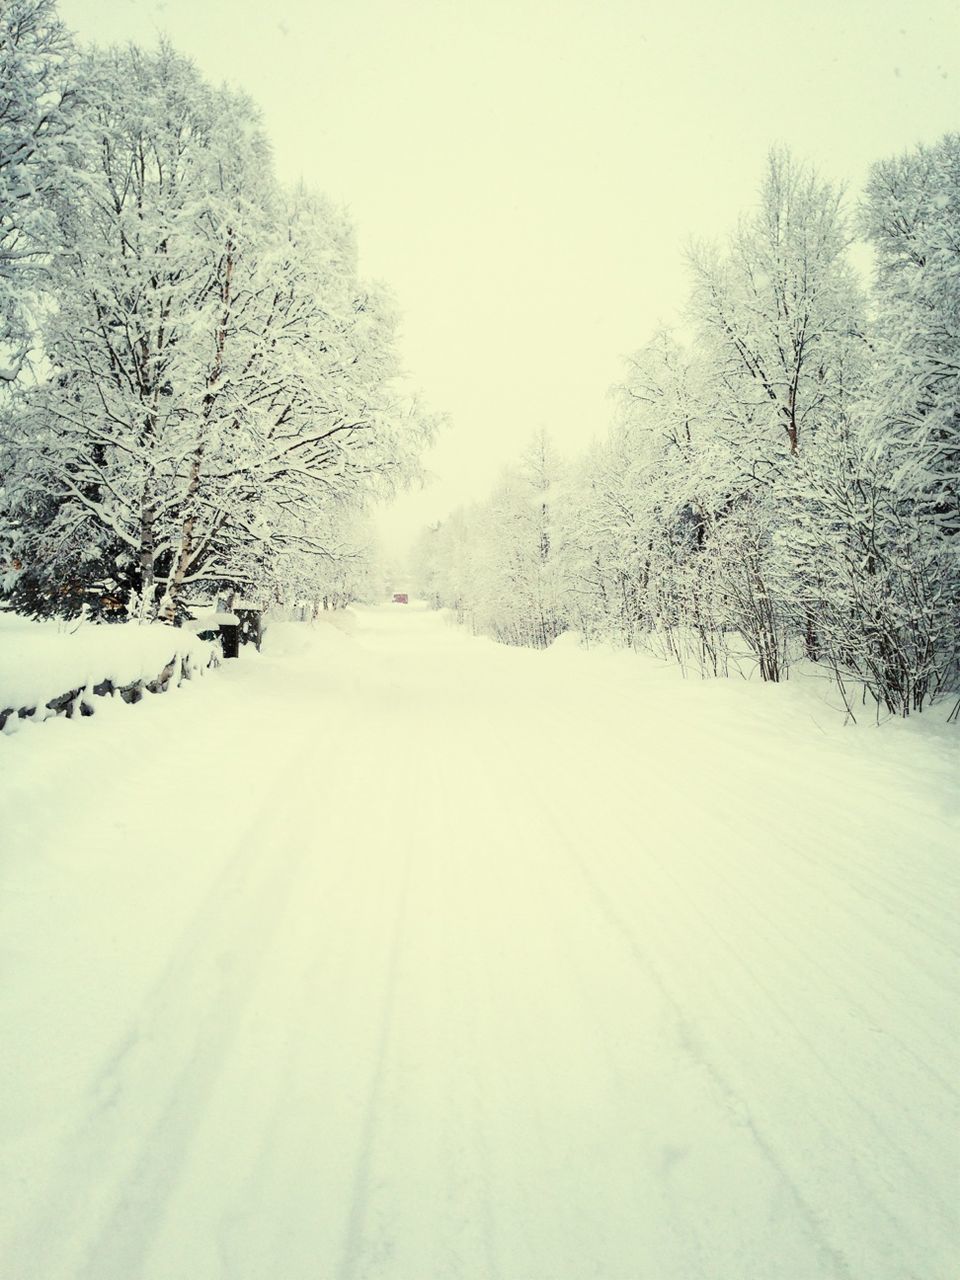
{"x": 47, "y": 669}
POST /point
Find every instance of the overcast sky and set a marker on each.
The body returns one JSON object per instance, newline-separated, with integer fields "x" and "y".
{"x": 525, "y": 174}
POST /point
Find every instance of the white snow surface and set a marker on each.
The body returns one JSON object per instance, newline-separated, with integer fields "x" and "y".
{"x": 41, "y": 660}
{"x": 399, "y": 954}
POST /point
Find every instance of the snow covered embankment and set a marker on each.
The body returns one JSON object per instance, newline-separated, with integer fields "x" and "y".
{"x": 49, "y": 670}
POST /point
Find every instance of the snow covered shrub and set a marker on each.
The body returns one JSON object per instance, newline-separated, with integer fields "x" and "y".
{"x": 861, "y": 563}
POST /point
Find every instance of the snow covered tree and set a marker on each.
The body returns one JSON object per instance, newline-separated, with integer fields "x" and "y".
{"x": 308, "y": 416}
{"x": 779, "y": 310}
{"x": 664, "y": 498}
{"x": 444, "y": 562}
{"x": 514, "y": 590}
{"x": 500, "y": 563}
{"x": 135, "y": 339}
{"x": 38, "y": 99}
{"x": 912, "y": 216}
{"x": 219, "y": 375}
{"x": 780, "y": 322}
{"x": 902, "y": 524}
{"x": 346, "y": 567}
{"x": 877, "y": 509}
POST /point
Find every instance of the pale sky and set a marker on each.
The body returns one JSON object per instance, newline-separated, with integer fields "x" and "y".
{"x": 525, "y": 174}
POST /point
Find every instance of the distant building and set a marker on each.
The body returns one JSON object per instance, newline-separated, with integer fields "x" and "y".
{"x": 400, "y": 597}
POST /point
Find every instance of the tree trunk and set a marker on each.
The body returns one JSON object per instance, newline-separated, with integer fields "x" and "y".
{"x": 811, "y": 643}
{"x": 147, "y": 546}
{"x": 185, "y": 552}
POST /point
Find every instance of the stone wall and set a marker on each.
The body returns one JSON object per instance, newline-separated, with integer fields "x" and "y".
{"x": 82, "y": 701}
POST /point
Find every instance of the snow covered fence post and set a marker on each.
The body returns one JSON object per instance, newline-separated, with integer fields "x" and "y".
{"x": 230, "y": 639}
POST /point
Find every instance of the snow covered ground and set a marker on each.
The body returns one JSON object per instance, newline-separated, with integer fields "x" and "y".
{"x": 398, "y": 954}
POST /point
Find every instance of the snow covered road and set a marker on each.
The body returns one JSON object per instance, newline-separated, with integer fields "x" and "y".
{"x": 406, "y": 956}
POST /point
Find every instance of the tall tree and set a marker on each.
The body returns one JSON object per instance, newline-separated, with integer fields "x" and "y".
{"x": 219, "y": 373}
{"x": 38, "y": 100}
{"x": 912, "y": 215}
{"x": 779, "y": 311}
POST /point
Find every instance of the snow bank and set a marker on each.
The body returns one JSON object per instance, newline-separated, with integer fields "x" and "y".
{"x": 320, "y": 641}
{"x": 566, "y": 641}
{"x": 343, "y": 620}
{"x": 40, "y": 661}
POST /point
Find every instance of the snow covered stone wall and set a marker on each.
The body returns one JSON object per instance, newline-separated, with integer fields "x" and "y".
{"x": 50, "y": 669}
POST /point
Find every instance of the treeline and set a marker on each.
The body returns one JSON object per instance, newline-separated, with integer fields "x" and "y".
{"x": 199, "y": 393}
{"x": 783, "y": 482}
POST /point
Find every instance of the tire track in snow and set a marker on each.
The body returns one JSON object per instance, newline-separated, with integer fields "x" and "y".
{"x": 352, "y": 1255}
{"x": 688, "y": 1041}
{"x": 503, "y": 1201}
{"x": 735, "y": 1104}
{"x": 563, "y": 1208}
{"x": 123, "y": 1243}
{"x": 777, "y": 942}
{"x": 565, "y": 818}
{"x": 245, "y": 904}
{"x": 468, "y": 1173}
{"x": 856, "y": 901}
